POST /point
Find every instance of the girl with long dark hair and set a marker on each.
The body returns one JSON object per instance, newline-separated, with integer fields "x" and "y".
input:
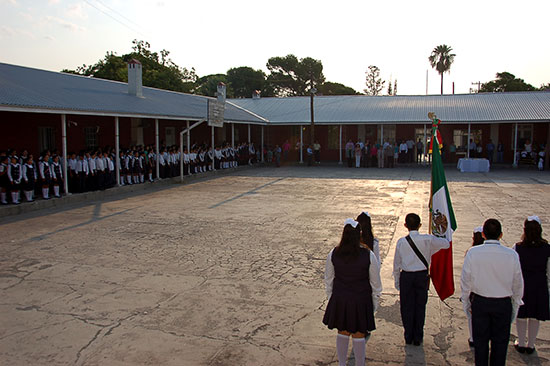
{"x": 534, "y": 256}
{"x": 353, "y": 287}
{"x": 367, "y": 237}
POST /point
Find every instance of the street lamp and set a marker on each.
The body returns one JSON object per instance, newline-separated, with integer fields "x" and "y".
{"x": 312, "y": 92}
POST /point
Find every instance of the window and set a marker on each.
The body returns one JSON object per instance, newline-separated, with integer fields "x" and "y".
{"x": 460, "y": 138}
{"x": 170, "y": 136}
{"x": 389, "y": 133}
{"x": 46, "y": 138}
{"x": 91, "y": 139}
{"x": 525, "y": 132}
{"x": 333, "y": 137}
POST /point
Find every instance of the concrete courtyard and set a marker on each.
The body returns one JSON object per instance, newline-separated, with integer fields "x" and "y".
{"x": 228, "y": 270}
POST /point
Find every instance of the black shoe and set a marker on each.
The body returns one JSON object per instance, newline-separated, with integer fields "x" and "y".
{"x": 417, "y": 343}
{"x": 520, "y": 349}
{"x": 529, "y": 350}
{"x": 471, "y": 343}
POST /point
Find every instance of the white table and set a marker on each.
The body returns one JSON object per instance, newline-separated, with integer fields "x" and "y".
{"x": 473, "y": 165}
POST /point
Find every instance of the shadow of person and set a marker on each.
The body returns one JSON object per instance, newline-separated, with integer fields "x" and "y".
{"x": 414, "y": 356}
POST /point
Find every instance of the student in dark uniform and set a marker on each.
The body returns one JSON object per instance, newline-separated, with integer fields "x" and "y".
{"x": 57, "y": 176}
{"x": 29, "y": 179}
{"x": 367, "y": 236}
{"x": 534, "y": 256}
{"x": 410, "y": 273}
{"x": 15, "y": 176}
{"x": 45, "y": 176}
{"x": 4, "y": 181}
{"x": 353, "y": 287}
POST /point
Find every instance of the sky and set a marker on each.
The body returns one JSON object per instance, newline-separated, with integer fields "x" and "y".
{"x": 347, "y": 36}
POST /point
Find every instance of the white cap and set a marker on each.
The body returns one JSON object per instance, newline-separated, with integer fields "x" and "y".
{"x": 351, "y": 222}
{"x": 533, "y": 218}
{"x": 366, "y": 213}
{"x": 478, "y": 229}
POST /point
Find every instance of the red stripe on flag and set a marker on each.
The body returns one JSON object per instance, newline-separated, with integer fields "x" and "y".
{"x": 441, "y": 272}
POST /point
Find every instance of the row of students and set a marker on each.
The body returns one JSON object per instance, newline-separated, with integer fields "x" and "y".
{"x": 23, "y": 174}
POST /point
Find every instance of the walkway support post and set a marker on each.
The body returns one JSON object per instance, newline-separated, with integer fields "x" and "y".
{"x": 340, "y": 149}
{"x": 64, "y": 138}
{"x": 424, "y": 145}
{"x": 301, "y": 144}
{"x": 117, "y": 151}
{"x": 468, "y": 143}
{"x": 233, "y": 135}
{"x": 157, "y": 168}
{"x": 515, "y": 147}
{"x": 262, "y": 145}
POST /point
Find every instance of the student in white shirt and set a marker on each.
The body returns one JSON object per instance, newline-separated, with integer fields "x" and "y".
{"x": 492, "y": 288}
{"x": 412, "y": 279}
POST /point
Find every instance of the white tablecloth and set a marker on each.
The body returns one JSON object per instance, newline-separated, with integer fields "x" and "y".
{"x": 473, "y": 165}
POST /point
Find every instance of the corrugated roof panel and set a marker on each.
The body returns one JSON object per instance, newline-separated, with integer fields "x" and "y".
{"x": 46, "y": 90}
{"x": 503, "y": 107}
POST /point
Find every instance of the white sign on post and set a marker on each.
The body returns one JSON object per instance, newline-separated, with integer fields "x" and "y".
{"x": 216, "y": 109}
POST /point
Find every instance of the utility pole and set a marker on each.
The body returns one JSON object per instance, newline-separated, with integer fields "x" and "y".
{"x": 312, "y": 92}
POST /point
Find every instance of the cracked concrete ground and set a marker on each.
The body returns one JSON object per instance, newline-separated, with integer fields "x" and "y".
{"x": 229, "y": 270}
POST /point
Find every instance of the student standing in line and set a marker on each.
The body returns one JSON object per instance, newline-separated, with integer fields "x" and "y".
{"x": 45, "y": 176}
{"x": 353, "y": 287}
{"x": 413, "y": 255}
{"x": 4, "y": 180}
{"x": 57, "y": 176}
{"x": 367, "y": 237}
{"x": 14, "y": 176}
{"x": 534, "y": 256}
{"x": 477, "y": 239}
{"x": 29, "y": 178}
{"x": 358, "y": 154}
{"x": 492, "y": 288}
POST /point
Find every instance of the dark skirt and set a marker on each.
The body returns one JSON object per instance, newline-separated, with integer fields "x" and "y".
{"x": 349, "y": 315}
{"x": 28, "y": 185}
{"x": 536, "y": 302}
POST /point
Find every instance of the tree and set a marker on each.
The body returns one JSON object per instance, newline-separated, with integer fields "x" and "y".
{"x": 290, "y": 76}
{"x": 245, "y": 80}
{"x": 159, "y": 71}
{"x": 374, "y": 83}
{"x": 505, "y": 82}
{"x": 390, "y": 88}
{"x": 441, "y": 59}
{"x": 208, "y": 85}
{"x": 328, "y": 88}
{"x": 395, "y": 87}
{"x": 545, "y": 87}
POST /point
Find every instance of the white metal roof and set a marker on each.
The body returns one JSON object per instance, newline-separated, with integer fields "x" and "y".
{"x": 34, "y": 90}
{"x": 362, "y": 109}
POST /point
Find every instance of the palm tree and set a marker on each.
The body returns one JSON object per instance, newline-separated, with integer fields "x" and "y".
{"x": 441, "y": 60}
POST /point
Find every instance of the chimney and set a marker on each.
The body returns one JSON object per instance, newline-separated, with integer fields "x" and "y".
{"x": 256, "y": 94}
{"x": 221, "y": 92}
{"x": 135, "y": 84}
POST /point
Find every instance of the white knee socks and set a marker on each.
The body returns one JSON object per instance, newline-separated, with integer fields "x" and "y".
{"x": 3, "y": 197}
{"x": 359, "y": 351}
{"x": 56, "y": 191}
{"x": 45, "y": 193}
{"x": 342, "y": 342}
{"x": 521, "y": 326}
{"x": 533, "y": 330}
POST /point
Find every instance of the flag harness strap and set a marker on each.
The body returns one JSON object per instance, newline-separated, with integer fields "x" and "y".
{"x": 417, "y": 252}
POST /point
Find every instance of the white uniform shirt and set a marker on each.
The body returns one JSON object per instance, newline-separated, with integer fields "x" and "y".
{"x": 403, "y": 147}
{"x": 100, "y": 164}
{"x": 492, "y": 270}
{"x": 72, "y": 164}
{"x": 406, "y": 260}
{"x": 374, "y": 277}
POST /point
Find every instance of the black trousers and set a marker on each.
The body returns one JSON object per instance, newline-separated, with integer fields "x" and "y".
{"x": 413, "y": 297}
{"x": 491, "y": 321}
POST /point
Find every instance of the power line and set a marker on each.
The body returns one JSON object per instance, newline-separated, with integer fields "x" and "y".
{"x": 115, "y": 19}
{"x": 119, "y": 14}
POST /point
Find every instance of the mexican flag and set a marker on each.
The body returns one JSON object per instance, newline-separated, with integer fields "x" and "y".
{"x": 442, "y": 221}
